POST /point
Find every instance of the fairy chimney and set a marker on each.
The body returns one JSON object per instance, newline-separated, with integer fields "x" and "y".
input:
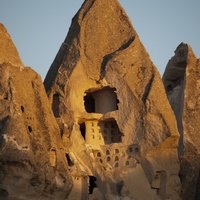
{"x": 182, "y": 82}
{"x": 110, "y": 104}
{"x": 32, "y": 157}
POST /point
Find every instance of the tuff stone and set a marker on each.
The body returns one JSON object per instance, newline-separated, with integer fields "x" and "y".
{"x": 181, "y": 81}
{"x": 8, "y": 51}
{"x": 110, "y": 103}
{"x": 32, "y": 156}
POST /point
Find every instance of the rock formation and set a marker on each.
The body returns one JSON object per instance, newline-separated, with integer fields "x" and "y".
{"x": 32, "y": 156}
{"x": 110, "y": 104}
{"x": 182, "y": 81}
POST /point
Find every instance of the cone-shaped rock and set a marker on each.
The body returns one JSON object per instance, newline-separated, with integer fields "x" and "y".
{"x": 8, "y": 51}
{"x": 32, "y": 157}
{"x": 182, "y": 83}
{"x": 112, "y": 109}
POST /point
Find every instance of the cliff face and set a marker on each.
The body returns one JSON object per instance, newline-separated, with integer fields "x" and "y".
{"x": 32, "y": 157}
{"x": 110, "y": 103}
{"x": 181, "y": 80}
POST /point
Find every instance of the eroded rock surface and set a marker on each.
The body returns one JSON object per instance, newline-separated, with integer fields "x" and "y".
{"x": 182, "y": 82}
{"x": 110, "y": 103}
{"x": 8, "y": 51}
{"x": 32, "y": 158}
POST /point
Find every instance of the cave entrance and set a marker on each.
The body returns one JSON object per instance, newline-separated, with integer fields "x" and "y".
{"x": 92, "y": 184}
{"x": 101, "y": 101}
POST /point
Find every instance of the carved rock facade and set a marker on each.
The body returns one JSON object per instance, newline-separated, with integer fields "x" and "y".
{"x": 106, "y": 95}
{"x": 32, "y": 156}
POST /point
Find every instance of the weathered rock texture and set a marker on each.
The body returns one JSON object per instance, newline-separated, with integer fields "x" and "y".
{"x": 32, "y": 158}
{"x": 182, "y": 83}
{"x": 110, "y": 103}
{"x": 8, "y": 51}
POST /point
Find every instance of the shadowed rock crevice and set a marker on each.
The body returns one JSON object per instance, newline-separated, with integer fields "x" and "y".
{"x": 174, "y": 83}
{"x": 106, "y": 58}
{"x": 147, "y": 89}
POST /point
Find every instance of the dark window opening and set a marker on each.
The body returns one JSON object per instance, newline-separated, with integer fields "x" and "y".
{"x": 55, "y": 105}
{"x": 92, "y": 184}
{"x": 136, "y": 149}
{"x": 101, "y": 101}
{"x": 100, "y": 161}
{"x": 116, "y": 164}
{"x": 107, "y": 152}
{"x": 108, "y": 158}
{"x": 6, "y": 96}
{"x": 116, "y": 150}
{"x": 89, "y": 103}
{"x": 82, "y": 129}
{"x": 106, "y": 125}
{"x": 69, "y": 161}
{"x": 130, "y": 149}
{"x": 22, "y": 109}
{"x": 112, "y": 132}
{"x": 104, "y": 131}
{"x": 127, "y": 162}
{"x": 29, "y": 129}
{"x": 116, "y": 158}
{"x": 98, "y": 154}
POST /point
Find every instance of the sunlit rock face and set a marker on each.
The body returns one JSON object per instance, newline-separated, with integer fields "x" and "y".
{"x": 182, "y": 82}
{"x": 8, "y": 51}
{"x": 32, "y": 158}
{"x": 110, "y": 104}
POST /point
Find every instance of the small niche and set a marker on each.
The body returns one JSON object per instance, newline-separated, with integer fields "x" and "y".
{"x": 136, "y": 149}
{"x": 69, "y": 161}
{"x": 116, "y": 158}
{"x": 6, "y": 96}
{"x": 82, "y": 129}
{"x": 92, "y": 184}
{"x": 101, "y": 101}
{"x": 98, "y": 154}
{"x": 29, "y": 129}
{"x": 116, "y": 164}
{"x": 107, "y": 152}
{"x": 116, "y": 150}
{"x": 22, "y": 109}
{"x": 127, "y": 162}
{"x": 108, "y": 158}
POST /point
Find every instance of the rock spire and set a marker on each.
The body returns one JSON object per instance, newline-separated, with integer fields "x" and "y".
{"x": 32, "y": 156}
{"x": 181, "y": 80}
{"x": 109, "y": 101}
